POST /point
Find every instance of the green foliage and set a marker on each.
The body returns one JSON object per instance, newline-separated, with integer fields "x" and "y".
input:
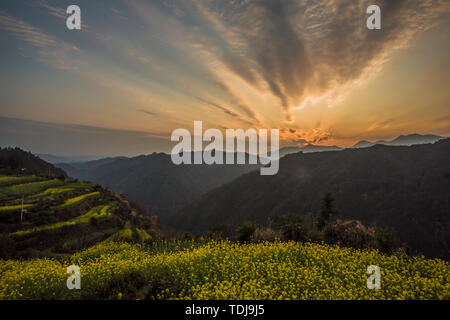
{"x": 142, "y": 235}
{"x": 125, "y": 235}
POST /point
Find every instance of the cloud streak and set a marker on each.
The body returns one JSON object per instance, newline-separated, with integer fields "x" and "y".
{"x": 25, "y": 31}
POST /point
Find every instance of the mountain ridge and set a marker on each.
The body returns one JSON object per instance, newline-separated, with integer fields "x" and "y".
{"x": 402, "y": 140}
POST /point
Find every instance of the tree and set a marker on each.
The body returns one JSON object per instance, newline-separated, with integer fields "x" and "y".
{"x": 328, "y": 212}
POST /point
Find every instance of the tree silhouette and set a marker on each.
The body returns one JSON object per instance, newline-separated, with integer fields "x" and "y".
{"x": 328, "y": 212}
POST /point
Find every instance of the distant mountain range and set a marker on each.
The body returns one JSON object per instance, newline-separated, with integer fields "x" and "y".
{"x": 307, "y": 149}
{"x": 407, "y": 140}
{"x": 404, "y": 188}
{"x": 64, "y": 159}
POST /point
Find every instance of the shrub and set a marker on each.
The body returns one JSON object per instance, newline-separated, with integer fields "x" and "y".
{"x": 220, "y": 232}
{"x": 385, "y": 240}
{"x": 292, "y": 227}
{"x": 351, "y": 233}
{"x": 245, "y": 232}
{"x": 264, "y": 234}
{"x": 294, "y": 232}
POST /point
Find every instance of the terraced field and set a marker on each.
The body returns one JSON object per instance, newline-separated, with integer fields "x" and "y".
{"x": 99, "y": 212}
{"x": 5, "y": 180}
{"x": 48, "y": 217}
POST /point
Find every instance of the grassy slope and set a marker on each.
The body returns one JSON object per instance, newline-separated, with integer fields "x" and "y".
{"x": 59, "y": 216}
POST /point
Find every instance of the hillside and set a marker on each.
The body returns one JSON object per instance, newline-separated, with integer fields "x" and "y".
{"x": 15, "y": 160}
{"x": 47, "y": 216}
{"x": 154, "y": 181}
{"x": 404, "y": 188}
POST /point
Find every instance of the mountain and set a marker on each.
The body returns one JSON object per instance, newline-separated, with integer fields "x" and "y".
{"x": 413, "y": 139}
{"x": 154, "y": 181}
{"x": 18, "y": 161}
{"x": 289, "y": 150}
{"x": 306, "y": 149}
{"x": 364, "y": 144}
{"x": 408, "y": 140}
{"x": 314, "y": 148}
{"x": 404, "y": 188}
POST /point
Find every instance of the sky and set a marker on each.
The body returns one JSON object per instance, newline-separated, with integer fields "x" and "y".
{"x": 137, "y": 70}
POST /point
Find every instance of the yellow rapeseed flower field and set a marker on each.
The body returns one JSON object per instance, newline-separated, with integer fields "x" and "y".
{"x": 225, "y": 270}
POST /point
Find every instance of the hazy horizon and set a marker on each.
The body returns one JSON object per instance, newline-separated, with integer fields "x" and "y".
{"x": 86, "y": 139}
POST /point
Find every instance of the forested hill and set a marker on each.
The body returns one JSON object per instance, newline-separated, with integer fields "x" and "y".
{"x": 405, "y": 188}
{"x": 16, "y": 160}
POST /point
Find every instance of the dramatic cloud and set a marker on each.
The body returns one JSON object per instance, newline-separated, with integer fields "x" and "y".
{"x": 291, "y": 136}
{"x": 303, "y": 50}
{"x": 231, "y": 64}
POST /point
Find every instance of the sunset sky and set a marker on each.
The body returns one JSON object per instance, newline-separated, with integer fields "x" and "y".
{"x": 137, "y": 70}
